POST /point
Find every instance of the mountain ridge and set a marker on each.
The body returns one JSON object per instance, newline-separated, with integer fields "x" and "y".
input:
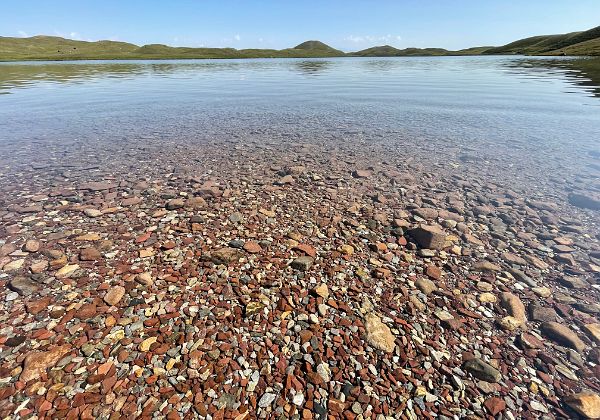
{"x": 44, "y": 47}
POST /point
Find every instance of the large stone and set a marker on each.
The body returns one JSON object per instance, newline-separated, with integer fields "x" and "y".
{"x": 561, "y": 334}
{"x": 379, "y": 335}
{"x": 593, "y": 330}
{"x": 303, "y": 263}
{"x": 226, "y": 256}
{"x": 114, "y": 295}
{"x": 426, "y": 286}
{"x": 90, "y": 254}
{"x": 541, "y": 313}
{"x": 482, "y": 370}
{"x": 24, "y": 286}
{"x": 429, "y": 237}
{"x": 37, "y": 362}
{"x": 175, "y": 204}
{"x": 586, "y": 403}
{"x": 513, "y": 306}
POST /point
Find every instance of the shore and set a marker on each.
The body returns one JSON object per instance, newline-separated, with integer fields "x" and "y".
{"x": 262, "y": 279}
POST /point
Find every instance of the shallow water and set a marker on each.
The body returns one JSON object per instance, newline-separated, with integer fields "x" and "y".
{"x": 462, "y": 100}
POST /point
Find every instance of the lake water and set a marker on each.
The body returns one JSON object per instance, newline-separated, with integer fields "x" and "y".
{"x": 520, "y": 112}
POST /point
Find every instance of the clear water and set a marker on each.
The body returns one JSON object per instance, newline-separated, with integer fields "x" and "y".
{"x": 465, "y": 102}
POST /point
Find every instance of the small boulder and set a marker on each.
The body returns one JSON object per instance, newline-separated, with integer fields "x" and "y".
{"x": 379, "y": 335}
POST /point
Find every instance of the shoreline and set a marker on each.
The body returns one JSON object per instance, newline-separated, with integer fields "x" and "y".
{"x": 188, "y": 278}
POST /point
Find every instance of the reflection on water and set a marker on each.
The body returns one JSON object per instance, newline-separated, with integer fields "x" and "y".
{"x": 578, "y": 71}
{"x": 582, "y": 72}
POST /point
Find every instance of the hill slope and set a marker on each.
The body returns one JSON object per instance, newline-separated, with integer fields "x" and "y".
{"x": 553, "y": 44}
{"x": 56, "y": 48}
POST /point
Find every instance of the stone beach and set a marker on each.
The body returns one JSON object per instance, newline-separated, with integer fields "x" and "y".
{"x": 301, "y": 279}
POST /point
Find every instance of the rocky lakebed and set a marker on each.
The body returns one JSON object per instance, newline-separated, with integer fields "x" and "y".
{"x": 300, "y": 279}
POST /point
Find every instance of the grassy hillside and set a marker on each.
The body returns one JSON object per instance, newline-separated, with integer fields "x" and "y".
{"x": 586, "y": 41}
{"x": 56, "y": 48}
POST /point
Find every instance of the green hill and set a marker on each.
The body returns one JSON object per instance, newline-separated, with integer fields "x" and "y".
{"x": 586, "y": 42}
{"x": 56, "y": 48}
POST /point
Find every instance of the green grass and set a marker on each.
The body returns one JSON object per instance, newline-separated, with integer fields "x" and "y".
{"x": 56, "y": 48}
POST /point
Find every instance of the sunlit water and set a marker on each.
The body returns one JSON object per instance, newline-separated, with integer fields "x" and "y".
{"x": 453, "y": 100}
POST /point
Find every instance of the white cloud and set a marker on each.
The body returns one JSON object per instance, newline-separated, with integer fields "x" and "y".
{"x": 23, "y": 34}
{"x": 237, "y": 37}
{"x": 363, "y": 39}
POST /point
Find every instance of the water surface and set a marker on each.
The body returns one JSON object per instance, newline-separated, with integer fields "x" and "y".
{"x": 478, "y": 103}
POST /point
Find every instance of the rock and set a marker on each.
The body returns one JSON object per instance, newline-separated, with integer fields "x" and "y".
{"x": 266, "y": 400}
{"x": 24, "y": 286}
{"x": 195, "y": 203}
{"x": 114, "y": 295}
{"x": 379, "y": 335}
{"x": 324, "y": 372}
{"x": 131, "y": 201}
{"x": 145, "y": 345}
{"x": 252, "y": 247}
{"x": 145, "y": 278}
{"x": 306, "y": 249}
{"x": 541, "y": 313}
{"x": 487, "y": 298}
{"x": 15, "y": 341}
{"x": 429, "y": 237}
{"x": 510, "y": 323}
{"x": 593, "y": 330}
{"x": 586, "y": 403}
{"x": 513, "y": 306}
{"x": 483, "y": 371}
{"x": 31, "y": 246}
{"x": 66, "y": 271}
{"x": 322, "y": 290}
{"x": 585, "y": 200}
{"x": 433, "y": 272}
{"x": 254, "y": 308}
{"x": 36, "y": 363}
{"x": 236, "y": 217}
{"x": 426, "y": 286}
{"x": 226, "y": 256}
{"x": 302, "y": 263}
{"x": 573, "y": 282}
{"x": 14, "y": 265}
{"x": 486, "y": 266}
{"x": 89, "y": 254}
{"x": 495, "y": 405}
{"x": 175, "y": 204}
{"x": 362, "y": 173}
{"x": 561, "y": 334}
{"x": 93, "y": 213}
{"x": 288, "y": 179}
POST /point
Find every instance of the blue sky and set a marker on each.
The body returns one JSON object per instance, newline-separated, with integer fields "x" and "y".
{"x": 345, "y": 24}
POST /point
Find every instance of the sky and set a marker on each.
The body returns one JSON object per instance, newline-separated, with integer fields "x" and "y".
{"x": 348, "y": 25}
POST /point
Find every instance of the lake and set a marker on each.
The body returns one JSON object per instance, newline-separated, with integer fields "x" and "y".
{"x": 279, "y": 237}
{"x": 529, "y": 114}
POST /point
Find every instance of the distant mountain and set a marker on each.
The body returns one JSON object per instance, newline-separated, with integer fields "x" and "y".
{"x": 317, "y": 46}
{"x": 56, "y": 48}
{"x": 574, "y": 43}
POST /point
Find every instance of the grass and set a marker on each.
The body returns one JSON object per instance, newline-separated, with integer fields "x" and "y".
{"x": 56, "y": 48}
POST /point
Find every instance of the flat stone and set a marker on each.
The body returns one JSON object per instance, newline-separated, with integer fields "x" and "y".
{"x": 24, "y": 286}
{"x": 66, "y": 271}
{"x": 586, "y": 403}
{"x": 379, "y": 335}
{"x": 425, "y": 285}
{"x": 541, "y": 313}
{"x": 174, "y": 204}
{"x": 89, "y": 254}
{"x": 593, "y": 330}
{"x": 31, "y": 246}
{"x": 322, "y": 290}
{"x": 302, "y": 263}
{"x": 145, "y": 345}
{"x": 37, "y": 362}
{"x": 252, "y": 247}
{"x": 495, "y": 405}
{"x": 561, "y": 334}
{"x": 513, "y": 305}
{"x": 266, "y": 400}
{"x": 429, "y": 237}
{"x": 145, "y": 278}
{"x": 482, "y": 370}
{"x": 114, "y": 295}
{"x": 226, "y": 256}
{"x": 93, "y": 213}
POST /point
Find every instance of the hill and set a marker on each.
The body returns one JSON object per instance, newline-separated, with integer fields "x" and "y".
{"x": 56, "y": 48}
{"x": 579, "y": 43}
